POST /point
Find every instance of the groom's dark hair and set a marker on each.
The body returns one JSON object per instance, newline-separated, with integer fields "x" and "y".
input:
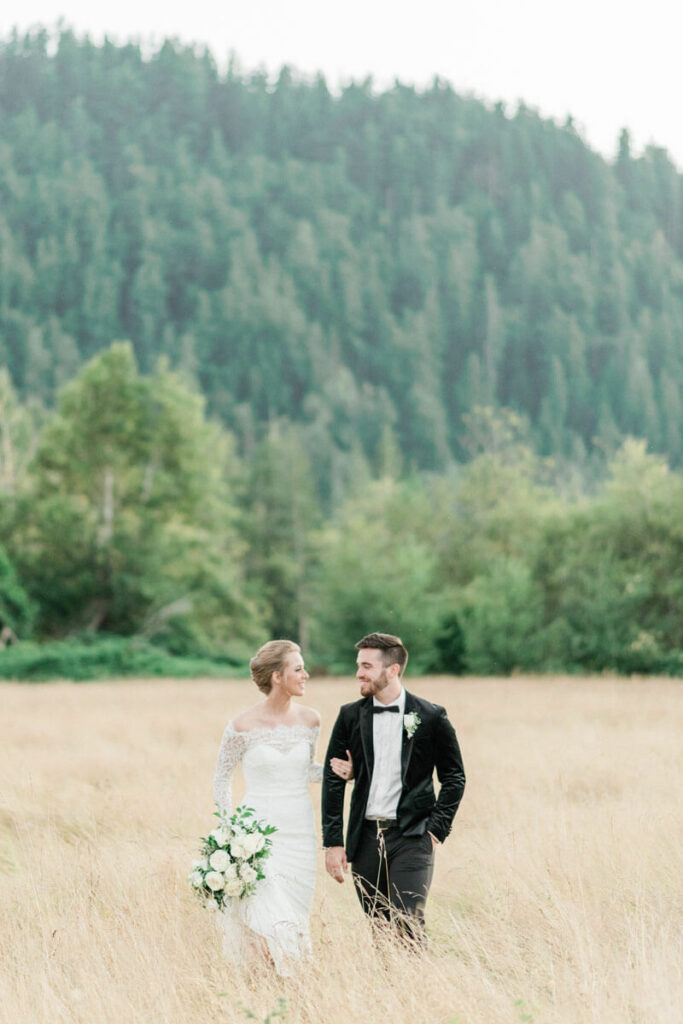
{"x": 392, "y": 648}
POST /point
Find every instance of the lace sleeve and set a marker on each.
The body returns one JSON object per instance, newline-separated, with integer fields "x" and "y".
{"x": 315, "y": 770}
{"x": 229, "y": 756}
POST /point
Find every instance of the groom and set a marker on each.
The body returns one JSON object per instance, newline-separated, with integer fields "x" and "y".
{"x": 396, "y": 740}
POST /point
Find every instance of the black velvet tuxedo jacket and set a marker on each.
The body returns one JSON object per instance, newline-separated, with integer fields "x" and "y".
{"x": 433, "y": 746}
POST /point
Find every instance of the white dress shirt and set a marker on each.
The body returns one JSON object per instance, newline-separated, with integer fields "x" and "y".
{"x": 387, "y": 739}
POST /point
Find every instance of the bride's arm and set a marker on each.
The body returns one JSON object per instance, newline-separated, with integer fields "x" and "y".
{"x": 344, "y": 769}
{"x": 315, "y": 770}
{"x": 229, "y": 756}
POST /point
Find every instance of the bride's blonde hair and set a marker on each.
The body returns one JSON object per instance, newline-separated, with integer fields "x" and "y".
{"x": 268, "y": 659}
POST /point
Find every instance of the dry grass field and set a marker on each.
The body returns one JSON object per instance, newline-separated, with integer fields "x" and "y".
{"x": 556, "y": 900}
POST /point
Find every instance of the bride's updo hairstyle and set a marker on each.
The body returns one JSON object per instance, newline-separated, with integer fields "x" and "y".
{"x": 268, "y": 659}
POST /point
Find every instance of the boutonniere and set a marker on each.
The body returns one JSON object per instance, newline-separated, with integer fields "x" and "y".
{"x": 410, "y": 723}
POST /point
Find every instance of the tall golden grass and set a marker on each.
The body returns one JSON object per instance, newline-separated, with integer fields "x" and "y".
{"x": 557, "y": 897}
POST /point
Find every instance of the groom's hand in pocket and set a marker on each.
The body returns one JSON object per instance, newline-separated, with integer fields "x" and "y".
{"x": 336, "y": 863}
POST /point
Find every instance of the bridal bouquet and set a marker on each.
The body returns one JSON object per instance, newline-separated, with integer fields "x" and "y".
{"x": 232, "y": 856}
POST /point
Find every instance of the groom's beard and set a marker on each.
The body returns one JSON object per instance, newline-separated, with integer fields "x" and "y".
{"x": 371, "y": 687}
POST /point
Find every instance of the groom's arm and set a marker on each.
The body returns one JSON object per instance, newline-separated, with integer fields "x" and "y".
{"x": 333, "y": 804}
{"x": 451, "y": 775}
{"x": 334, "y": 787}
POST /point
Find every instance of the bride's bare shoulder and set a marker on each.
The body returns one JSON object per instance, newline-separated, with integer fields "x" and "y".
{"x": 309, "y": 717}
{"x": 248, "y": 719}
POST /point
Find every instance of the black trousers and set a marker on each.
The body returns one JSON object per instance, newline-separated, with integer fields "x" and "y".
{"x": 392, "y": 874}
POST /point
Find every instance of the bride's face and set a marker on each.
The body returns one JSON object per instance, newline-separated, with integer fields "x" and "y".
{"x": 293, "y": 677}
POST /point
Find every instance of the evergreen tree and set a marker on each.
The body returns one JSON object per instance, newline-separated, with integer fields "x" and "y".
{"x": 442, "y": 253}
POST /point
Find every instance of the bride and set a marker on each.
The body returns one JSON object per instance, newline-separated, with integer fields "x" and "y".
{"x": 275, "y": 742}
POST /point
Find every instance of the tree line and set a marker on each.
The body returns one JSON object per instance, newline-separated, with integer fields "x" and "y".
{"x": 370, "y": 267}
{"x": 128, "y": 512}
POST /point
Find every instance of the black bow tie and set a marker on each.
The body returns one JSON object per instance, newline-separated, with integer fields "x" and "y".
{"x": 376, "y": 710}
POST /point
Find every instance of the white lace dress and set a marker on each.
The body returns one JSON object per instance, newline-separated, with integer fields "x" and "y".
{"x": 277, "y": 765}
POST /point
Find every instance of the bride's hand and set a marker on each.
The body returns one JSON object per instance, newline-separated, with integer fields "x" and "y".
{"x": 344, "y": 769}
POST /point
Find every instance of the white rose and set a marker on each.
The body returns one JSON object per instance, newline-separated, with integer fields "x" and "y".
{"x": 234, "y": 887}
{"x": 231, "y": 870}
{"x": 248, "y": 874}
{"x": 220, "y": 836}
{"x": 219, "y": 860}
{"x": 196, "y": 878}
{"x": 211, "y": 905}
{"x": 254, "y": 842}
{"x": 238, "y": 849}
{"x": 215, "y": 881}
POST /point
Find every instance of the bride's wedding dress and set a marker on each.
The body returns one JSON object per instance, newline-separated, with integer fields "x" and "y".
{"x": 277, "y": 765}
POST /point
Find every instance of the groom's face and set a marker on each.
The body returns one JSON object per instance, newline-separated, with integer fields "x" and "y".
{"x": 372, "y": 675}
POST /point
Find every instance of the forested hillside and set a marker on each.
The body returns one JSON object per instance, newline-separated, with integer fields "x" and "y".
{"x": 277, "y": 362}
{"x": 370, "y": 266}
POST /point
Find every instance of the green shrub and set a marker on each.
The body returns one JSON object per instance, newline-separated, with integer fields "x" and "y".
{"x": 96, "y": 657}
{"x": 17, "y": 612}
{"x": 449, "y": 648}
{"x": 499, "y": 612}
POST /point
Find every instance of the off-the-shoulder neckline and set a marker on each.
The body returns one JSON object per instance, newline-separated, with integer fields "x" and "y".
{"x": 272, "y": 728}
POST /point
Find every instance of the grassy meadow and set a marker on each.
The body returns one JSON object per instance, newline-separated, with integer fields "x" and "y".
{"x": 556, "y": 900}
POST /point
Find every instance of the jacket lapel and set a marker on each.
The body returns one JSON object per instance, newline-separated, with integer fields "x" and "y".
{"x": 366, "y": 734}
{"x": 407, "y": 744}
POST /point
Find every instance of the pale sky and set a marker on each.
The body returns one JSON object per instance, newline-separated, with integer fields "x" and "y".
{"x": 609, "y": 63}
